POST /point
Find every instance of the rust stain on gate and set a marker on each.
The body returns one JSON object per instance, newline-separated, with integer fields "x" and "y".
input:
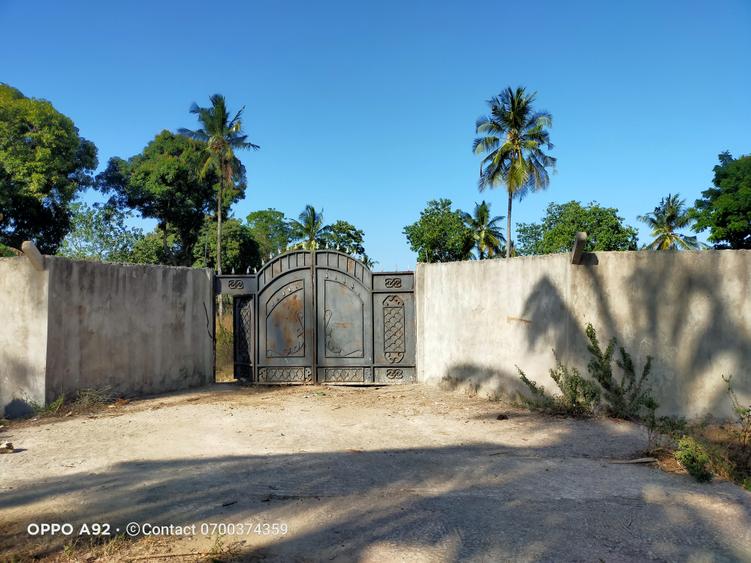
{"x": 322, "y": 317}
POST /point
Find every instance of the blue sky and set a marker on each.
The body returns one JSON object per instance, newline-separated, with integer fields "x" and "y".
{"x": 367, "y": 109}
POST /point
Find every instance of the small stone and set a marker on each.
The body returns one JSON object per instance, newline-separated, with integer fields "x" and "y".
{"x": 6, "y": 448}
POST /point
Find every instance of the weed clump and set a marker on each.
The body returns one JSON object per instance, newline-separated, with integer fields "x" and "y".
{"x": 579, "y": 397}
{"x": 694, "y": 458}
{"x": 626, "y": 397}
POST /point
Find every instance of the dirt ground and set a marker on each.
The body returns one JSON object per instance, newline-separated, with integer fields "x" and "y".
{"x": 354, "y": 474}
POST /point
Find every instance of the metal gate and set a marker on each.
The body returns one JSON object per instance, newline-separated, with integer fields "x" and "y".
{"x": 322, "y": 317}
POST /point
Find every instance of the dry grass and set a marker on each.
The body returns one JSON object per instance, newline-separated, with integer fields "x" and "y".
{"x": 224, "y": 347}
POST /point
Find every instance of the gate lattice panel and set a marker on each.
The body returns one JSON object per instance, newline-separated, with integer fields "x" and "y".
{"x": 322, "y": 317}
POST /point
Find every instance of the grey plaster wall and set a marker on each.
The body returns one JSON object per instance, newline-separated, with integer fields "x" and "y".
{"x": 133, "y": 329}
{"x": 691, "y": 311}
{"x": 23, "y": 335}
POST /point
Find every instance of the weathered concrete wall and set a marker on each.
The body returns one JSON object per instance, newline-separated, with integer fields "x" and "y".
{"x": 136, "y": 329}
{"x": 76, "y": 325}
{"x": 23, "y": 335}
{"x": 691, "y": 311}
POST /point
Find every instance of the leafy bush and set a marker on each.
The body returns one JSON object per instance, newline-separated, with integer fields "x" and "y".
{"x": 663, "y": 431}
{"x": 579, "y": 396}
{"x": 628, "y": 397}
{"x": 7, "y": 251}
{"x": 743, "y": 413}
{"x": 40, "y": 409}
{"x": 694, "y": 458}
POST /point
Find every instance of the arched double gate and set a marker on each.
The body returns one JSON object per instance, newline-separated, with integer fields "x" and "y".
{"x": 322, "y": 317}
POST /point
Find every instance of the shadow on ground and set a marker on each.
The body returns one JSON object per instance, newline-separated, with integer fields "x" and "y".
{"x": 462, "y": 502}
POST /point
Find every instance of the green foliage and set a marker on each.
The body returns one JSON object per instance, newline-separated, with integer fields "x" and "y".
{"x": 239, "y": 250}
{"x": 165, "y": 182}
{"x": 309, "y": 231}
{"x": 743, "y": 415}
{"x": 512, "y": 140}
{"x": 345, "y": 237}
{"x": 694, "y": 458}
{"x": 270, "y": 230}
{"x": 223, "y": 135}
{"x": 440, "y": 234}
{"x": 99, "y": 233}
{"x": 487, "y": 238}
{"x": 605, "y": 230}
{"x": 725, "y": 209}
{"x": 628, "y": 396}
{"x": 7, "y": 251}
{"x": 152, "y": 248}
{"x": 43, "y": 164}
{"x": 663, "y": 430}
{"x": 41, "y": 410}
{"x": 368, "y": 261}
{"x": 578, "y": 396}
{"x": 665, "y": 221}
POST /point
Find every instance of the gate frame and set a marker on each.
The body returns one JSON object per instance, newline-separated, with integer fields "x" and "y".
{"x": 246, "y": 287}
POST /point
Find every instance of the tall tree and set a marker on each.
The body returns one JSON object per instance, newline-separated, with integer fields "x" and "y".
{"x": 44, "y": 163}
{"x": 487, "y": 238}
{"x": 223, "y": 135}
{"x": 555, "y": 233}
{"x": 270, "y": 230}
{"x": 165, "y": 182}
{"x": 512, "y": 139}
{"x": 439, "y": 235}
{"x": 100, "y": 233}
{"x": 345, "y": 237}
{"x": 239, "y": 250}
{"x": 665, "y": 221}
{"x": 309, "y": 230}
{"x": 725, "y": 209}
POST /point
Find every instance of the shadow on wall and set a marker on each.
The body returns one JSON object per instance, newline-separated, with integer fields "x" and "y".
{"x": 455, "y": 503}
{"x": 474, "y": 379}
{"x": 686, "y": 341}
{"x": 17, "y": 398}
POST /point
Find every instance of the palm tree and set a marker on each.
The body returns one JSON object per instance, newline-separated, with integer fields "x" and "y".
{"x": 669, "y": 216}
{"x": 511, "y": 142}
{"x": 368, "y": 262}
{"x": 487, "y": 238}
{"x": 310, "y": 230}
{"x": 223, "y": 135}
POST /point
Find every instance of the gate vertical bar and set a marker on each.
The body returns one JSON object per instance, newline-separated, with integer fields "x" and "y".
{"x": 314, "y": 339}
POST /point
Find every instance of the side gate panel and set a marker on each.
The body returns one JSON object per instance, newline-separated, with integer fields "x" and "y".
{"x": 244, "y": 337}
{"x": 394, "y": 328}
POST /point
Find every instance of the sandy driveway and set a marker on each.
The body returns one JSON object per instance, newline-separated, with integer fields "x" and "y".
{"x": 409, "y": 473}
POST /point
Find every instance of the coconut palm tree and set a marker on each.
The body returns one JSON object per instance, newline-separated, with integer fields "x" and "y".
{"x": 487, "y": 238}
{"x": 669, "y": 216}
{"x": 223, "y": 135}
{"x": 511, "y": 141}
{"x": 309, "y": 230}
{"x": 368, "y": 262}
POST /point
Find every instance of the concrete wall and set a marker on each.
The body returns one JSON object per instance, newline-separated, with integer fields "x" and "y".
{"x": 691, "y": 311}
{"x": 23, "y": 334}
{"x": 132, "y": 329}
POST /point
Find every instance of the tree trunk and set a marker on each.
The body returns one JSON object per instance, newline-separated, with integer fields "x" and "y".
{"x": 219, "y": 238}
{"x": 164, "y": 241}
{"x": 508, "y": 226}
